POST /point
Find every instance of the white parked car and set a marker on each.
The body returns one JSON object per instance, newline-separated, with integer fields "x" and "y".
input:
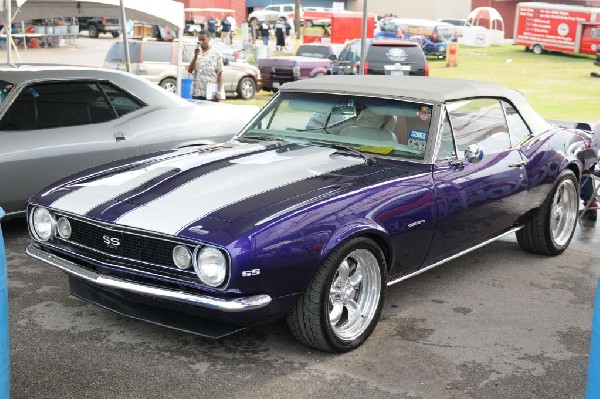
{"x": 272, "y": 12}
{"x": 55, "y": 121}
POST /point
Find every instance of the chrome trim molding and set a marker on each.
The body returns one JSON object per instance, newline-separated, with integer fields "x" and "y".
{"x": 514, "y": 230}
{"x": 225, "y": 305}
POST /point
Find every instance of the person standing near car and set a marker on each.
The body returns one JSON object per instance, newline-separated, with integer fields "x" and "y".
{"x": 279, "y": 35}
{"x": 253, "y": 30}
{"x": 588, "y": 189}
{"x": 226, "y": 31}
{"x": 212, "y": 26}
{"x": 207, "y": 69}
{"x": 264, "y": 32}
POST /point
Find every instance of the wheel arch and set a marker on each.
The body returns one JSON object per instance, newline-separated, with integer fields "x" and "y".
{"x": 366, "y": 229}
{"x": 318, "y": 70}
{"x": 573, "y": 167}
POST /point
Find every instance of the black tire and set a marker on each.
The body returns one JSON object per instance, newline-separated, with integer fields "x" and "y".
{"x": 93, "y": 31}
{"x": 537, "y": 49}
{"x": 169, "y": 84}
{"x": 550, "y": 230}
{"x": 246, "y": 88}
{"x": 354, "y": 276}
{"x": 115, "y": 34}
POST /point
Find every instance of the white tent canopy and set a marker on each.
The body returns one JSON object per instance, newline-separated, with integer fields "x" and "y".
{"x": 161, "y": 12}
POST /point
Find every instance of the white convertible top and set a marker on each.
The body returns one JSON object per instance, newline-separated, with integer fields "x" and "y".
{"x": 426, "y": 89}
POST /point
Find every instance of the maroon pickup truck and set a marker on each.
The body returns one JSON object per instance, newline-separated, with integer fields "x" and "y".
{"x": 311, "y": 60}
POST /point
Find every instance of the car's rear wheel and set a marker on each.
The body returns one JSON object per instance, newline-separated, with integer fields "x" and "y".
{"x": 550, "y": 229}
{"x": 115, "y": 34}
{"x": 169, "y": 84}
{"x": 341, "y": 305}
{"x": 246, "y": 88}
{"x": 93, "y": 31}
{"x": 537, "y": 49}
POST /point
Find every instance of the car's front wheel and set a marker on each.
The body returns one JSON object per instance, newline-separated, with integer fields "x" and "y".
{"x": 550, "y": 229}
{"x": 115, "y": 34}
{"x": 341, "y": 305}
{"x": 246, "y": 88}
{"x": 169, "y": 84}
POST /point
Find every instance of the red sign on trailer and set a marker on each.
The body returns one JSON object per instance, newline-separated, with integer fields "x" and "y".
{"x": 557, "y": 27}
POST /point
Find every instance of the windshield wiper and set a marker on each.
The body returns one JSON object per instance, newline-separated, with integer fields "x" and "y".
{"x": 345, "y": 148}
{"x": 266, "y": 137}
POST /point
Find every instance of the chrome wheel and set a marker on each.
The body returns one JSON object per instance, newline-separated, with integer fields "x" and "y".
{"x": 354, "y": 294}
{"x": 169, "y": 85}
{"x": 246, "y": 88}
{"x": 563, "y": 214}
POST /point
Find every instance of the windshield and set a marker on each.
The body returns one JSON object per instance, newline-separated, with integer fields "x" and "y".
{"x": 5, "y": 88}
{"x": 313, "y": 51}
{"x": 370, "y": 125}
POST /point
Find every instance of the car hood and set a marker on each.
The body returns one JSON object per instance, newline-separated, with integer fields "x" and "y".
{"x": 212, "y": 186}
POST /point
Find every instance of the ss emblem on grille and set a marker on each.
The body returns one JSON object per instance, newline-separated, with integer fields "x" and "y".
{"x": 111, "y": 242}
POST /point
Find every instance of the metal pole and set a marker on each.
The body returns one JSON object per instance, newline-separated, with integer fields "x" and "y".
{"x": 125, "y": 43}
{"x": 8, "y": 28}
{"x": 363, "y": 40}
{"x": 297, "y": 18}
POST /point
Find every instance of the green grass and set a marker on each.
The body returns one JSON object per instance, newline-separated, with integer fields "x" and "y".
{"x": 557, "y": 85}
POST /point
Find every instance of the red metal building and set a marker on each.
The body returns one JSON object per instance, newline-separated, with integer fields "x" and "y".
{"x": 507, "y": 8}
{"x": 238, "y": 5}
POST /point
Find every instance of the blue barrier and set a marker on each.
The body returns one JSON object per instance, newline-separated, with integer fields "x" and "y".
{"x": 4, "y": 347}
{"x": 186, "y": 88}
{"x": 593, "y": 380}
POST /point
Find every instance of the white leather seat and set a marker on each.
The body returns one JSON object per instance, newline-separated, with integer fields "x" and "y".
{"x": 372, "y": 126}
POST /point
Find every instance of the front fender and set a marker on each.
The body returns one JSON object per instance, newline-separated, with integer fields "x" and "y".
{"x": 355, "y": 228}
{"x": 318, "y": 71}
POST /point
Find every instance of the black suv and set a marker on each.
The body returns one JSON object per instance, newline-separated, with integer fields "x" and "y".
{"x": 383, "y": 57}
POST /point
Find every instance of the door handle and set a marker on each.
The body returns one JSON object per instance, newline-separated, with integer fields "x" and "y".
{"x": 119, "y": 136}
{"x": 518, "y": 164}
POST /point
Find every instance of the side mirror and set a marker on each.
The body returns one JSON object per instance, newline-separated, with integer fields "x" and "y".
{"x": 474, "y": 153}
{"x": 332, "y": 57}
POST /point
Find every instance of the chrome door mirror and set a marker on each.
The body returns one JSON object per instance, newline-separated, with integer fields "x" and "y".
{"x": 474, "y": 153}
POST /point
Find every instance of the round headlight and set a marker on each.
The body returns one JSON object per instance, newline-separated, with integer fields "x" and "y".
{"x": 63, "y": 226}
{"x": 211, "y": 266}
{"x": 42, "y": 223}
{"x": 182, "y": 257}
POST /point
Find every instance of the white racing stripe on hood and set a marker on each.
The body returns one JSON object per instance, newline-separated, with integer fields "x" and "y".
{"x": 245, "y": 178}
{"x": 96, "y": 192}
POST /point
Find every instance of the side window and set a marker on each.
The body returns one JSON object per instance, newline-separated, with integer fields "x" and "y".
{"x": 122, "y": 102}
{"x": 479, "y": 121}
{"x": 447, "y": 148}
{"x": 516, "y": 127}
{"x": 288, "y": 9}
{"x": 50, "y": 105}
{"x": 154, "y": 52}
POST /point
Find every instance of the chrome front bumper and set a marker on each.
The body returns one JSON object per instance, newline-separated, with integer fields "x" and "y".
{"x": 225, "y": 305}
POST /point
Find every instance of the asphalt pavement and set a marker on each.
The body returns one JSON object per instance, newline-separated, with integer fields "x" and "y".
{"x": 496, "y": 323}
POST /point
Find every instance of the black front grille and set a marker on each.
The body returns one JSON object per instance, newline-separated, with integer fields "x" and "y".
{"x": 122, "y": 243}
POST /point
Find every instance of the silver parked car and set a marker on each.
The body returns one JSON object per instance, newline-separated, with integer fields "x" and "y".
{"x": 55, "y": 121}
{"x": 157, "y": 62}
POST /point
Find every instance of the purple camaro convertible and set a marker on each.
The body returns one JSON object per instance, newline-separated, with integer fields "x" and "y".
{"x": 340, "y": 187}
